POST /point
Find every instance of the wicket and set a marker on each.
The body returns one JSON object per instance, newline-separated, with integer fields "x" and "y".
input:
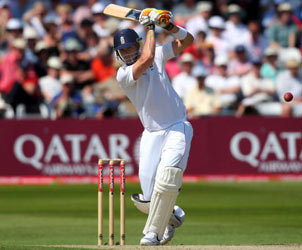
{"x": 111, "y": 163}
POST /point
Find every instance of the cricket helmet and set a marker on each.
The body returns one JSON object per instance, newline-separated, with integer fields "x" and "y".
{"x": 124, "y": 39}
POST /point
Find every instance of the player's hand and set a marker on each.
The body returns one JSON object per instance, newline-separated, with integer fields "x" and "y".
{"x": 161, "y": 18}
{"x": 144, "y": 17}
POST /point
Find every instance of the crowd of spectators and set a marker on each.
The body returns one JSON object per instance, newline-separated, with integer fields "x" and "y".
{"x": 57, "y": 60}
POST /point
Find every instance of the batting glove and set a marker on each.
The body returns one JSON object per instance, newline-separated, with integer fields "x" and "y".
{"x": 144, "y": 17}
{"x": 161, "y": 18}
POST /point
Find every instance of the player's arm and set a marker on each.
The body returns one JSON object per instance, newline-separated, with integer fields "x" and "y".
{"x": 183, "y": 39}
{"x": 147, "y": 57}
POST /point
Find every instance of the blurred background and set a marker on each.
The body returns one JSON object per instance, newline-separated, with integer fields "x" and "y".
{"x": 57, "y": 59}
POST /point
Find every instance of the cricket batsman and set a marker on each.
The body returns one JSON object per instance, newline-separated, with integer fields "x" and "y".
{"x": 167, "y": 135}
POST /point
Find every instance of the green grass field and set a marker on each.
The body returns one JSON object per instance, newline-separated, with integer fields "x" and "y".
{"x": 217, "y": 214}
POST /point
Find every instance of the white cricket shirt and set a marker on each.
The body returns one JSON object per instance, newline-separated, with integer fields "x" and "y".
{"x": 157, "y": 104}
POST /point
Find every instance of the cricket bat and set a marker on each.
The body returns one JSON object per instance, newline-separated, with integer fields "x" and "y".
{"x": 122, "y": 12}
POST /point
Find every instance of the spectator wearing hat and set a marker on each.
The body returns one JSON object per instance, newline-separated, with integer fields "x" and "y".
{"x": 14, "y": 30}
{"x": 9, "y": 65}
{"x": 215, "y": 37}
{"x": 50, "y": 84}
{"x": 68, "y": 103}
{"x": 18, "y": 81}
{"x": 239, "y": 65}
{"x": 227, "y": 86}
{"x": 201, "y": 100}
{"x": 42, "y": 51}
{"x": 290, "y": 80}
{"x": 78, "y": 68}
{"x": 235, "y": 30}
{"x": 34, "y": 17}
{"x": 200, "y": 22}
{"x": 255, "y": 90}
{"x": 270, "y": 68}
{"x": 283, "y": 32}
{"x": 184, "y": 81}
{"x": 31, "y": 37}
{"x": 99, "y": 18}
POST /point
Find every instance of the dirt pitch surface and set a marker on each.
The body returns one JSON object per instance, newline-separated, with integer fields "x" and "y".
{"x": 186, "y": 247}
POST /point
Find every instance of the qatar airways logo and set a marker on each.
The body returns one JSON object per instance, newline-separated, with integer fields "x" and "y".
{"x": 82, "y": 157}
{"x": 286, "y": 158}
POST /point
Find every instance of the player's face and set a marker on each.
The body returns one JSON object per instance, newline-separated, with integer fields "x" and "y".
{"x": 129, "y": 54}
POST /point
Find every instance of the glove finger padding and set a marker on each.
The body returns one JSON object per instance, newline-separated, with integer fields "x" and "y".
{"x": 161, "y": 17}
{"x": 144, "y": 17}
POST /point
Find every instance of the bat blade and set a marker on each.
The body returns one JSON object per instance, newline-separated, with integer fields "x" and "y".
{"x": 122, "y": 12}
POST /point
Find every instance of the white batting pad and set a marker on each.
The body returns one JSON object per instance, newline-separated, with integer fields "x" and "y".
{"x": 163, "y": 199}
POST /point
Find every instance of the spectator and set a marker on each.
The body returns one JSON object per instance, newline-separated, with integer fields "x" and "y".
{"x": 255, "y": 89}
{"x": 14, "y": 28}
{"x": 270, "y": 68}
{"x": 102, "y": 65}
{"x": 196, "y": 49}
{"x": 5, "y": 15}
{"x": 84, "y": 29}
{"x": 66, "y": 26}
{"x": 79, "y": 69}
{"x": 9, "y": 66}
{"x": 235, "y": 30}
{"x": 35, "y": 16}
{"x": 227, "y": 87}
{"x": 240, "y": 65}
{"x": 52, "y": 36}
{"x": 215, "y": 37}
{"x": 200, "y": 22}
{"x": 208, "y": 57}
{"x": 50, "y": 84}
{"x": 184, "y": 82}
{"x": 43, "y": 53}
{"x": 99, "y": 18}
{"x": 67, "y": 103}
{"x": 255, "y": 42}
{"x": 183, "y": 11}
{"x": 31, "y": 37}
{"x": 290, "y": 81}
{"x": 283, "y": 32}
{"x": 201, "y": 100}
{"x": 83, "y": 12}
{"x": 18, "y": 80}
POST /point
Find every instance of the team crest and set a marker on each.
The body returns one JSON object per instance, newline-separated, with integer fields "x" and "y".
{"x": 122, "y": 39}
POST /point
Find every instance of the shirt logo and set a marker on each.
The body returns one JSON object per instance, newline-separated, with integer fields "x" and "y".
{"x": 122, "y": 39}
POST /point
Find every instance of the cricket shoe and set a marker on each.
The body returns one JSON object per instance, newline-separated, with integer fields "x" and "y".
{"x": 176, "y": 220}
{"x": 150, "y": 239}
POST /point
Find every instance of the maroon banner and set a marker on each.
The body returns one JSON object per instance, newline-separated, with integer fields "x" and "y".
{"x": 220, "y": 146}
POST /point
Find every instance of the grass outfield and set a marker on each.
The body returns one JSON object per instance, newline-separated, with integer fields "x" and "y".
{"x": 217, "y": 214}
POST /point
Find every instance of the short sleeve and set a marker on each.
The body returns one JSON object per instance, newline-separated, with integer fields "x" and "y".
{"x": 125, "y": 76}
{"x": 165, "y": 52}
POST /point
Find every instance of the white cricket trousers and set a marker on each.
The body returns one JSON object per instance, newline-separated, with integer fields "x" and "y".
{"x": 160, "y": 149}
